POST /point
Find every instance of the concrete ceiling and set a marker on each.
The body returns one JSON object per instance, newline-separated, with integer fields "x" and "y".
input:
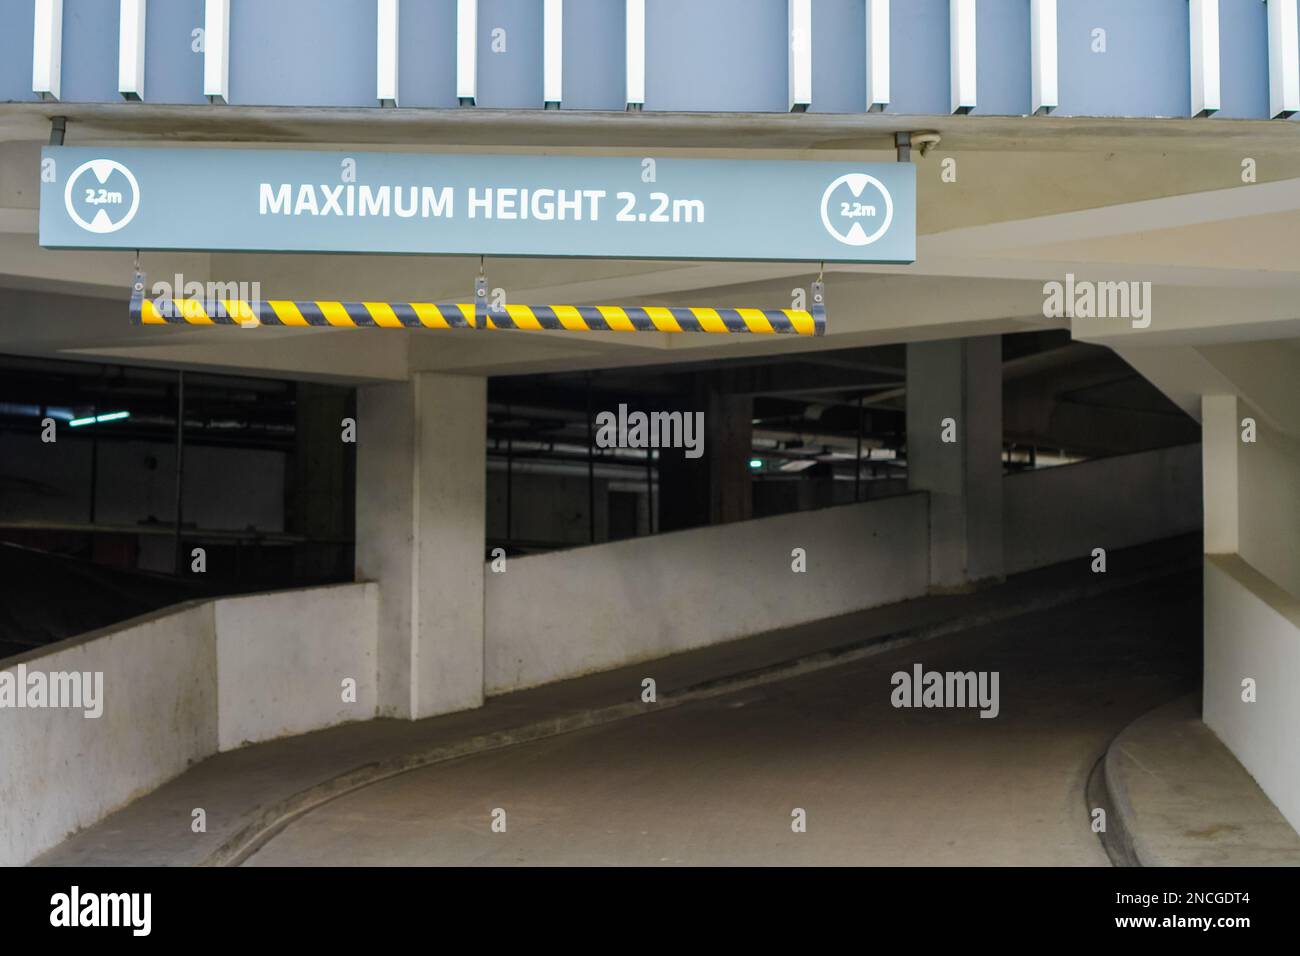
{"x": 1143, "y": 200}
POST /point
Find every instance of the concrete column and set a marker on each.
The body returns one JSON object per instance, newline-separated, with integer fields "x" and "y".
{"x": 421, "y": 469}
{"x": 729, "y": 431}
{"x": 959, "y": 380}
{"x": 683, "y": 499}
{"x": 717, "y": 487}
{"x": 320, "y": 492}
{"x": 1220, "y": 447}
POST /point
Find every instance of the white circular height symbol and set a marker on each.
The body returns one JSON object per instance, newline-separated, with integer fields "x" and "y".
{"x": 94, "y": 190}
{"x": 856, "y": 204}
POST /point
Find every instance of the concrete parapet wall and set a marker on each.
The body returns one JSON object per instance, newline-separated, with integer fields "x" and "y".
{"x": 178, "y": 686}
{"x": 282, "y": 659}
{"x": 1055, "y": 514}
{"x": 558, "y": 615}
{"x": 1252, "y": 630}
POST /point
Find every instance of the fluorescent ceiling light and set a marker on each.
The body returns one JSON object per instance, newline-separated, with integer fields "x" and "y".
{"x": 93, "y": 419}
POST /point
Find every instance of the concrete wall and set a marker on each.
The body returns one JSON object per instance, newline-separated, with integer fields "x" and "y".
{"x": 178, "y": 686}
{"x": 1055, "y": 514}
{"x": 282, "y": 658}
{"x": 1252, "y": 592}
{"x": 1268, "y": 481}
{"x": 1252, "y": 630}
{"x": 60, "y": 771}
{"x": 558, "y": 615}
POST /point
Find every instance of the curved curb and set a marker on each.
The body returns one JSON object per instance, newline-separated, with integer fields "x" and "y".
{"x": 1121, "y": 840}
{"x": 1116, "y": 839}
{"x": 267, "y": 822}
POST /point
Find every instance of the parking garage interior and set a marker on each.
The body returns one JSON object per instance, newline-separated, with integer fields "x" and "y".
{"x": 261, "y": 479}
{"x": 365, "y": 577}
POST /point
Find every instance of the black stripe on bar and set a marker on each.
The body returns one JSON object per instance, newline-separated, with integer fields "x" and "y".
{"x": 732, "y": 320}
{"x": 311, "y": 313}
{"x": 781, "y": 323}
{"x": 406, "y": 315}
{"x": 501, "y": 319}
{"x": 595, "y": 321}
{"x": 359, "y": 314}
{"x": 545, "y": 316}
{"x": 453, "y": 316}
{"x": 640, "y": 321}
{"x": 687, "y": 320}
{"x": 218, "y": 314}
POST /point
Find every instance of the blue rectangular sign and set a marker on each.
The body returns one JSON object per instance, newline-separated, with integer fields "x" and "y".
{"x": 500, "y": 205}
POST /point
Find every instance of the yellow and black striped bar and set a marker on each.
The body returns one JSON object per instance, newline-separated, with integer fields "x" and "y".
{"x": 613, "y": 318}
{"x": 342, "y": 315}
{"x": 427, "y": 315}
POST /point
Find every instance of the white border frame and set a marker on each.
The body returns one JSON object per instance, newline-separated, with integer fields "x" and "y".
{"x": 216, "y": 51}
{"x": 1042, "y": 40}
{"x": 552, "y": 54}
{"x": 635, "y": 88}
{"x": 961, "y": 45}
{"x": 387, "y": 20}
{"x": 799, "y": 67}
{"x": 467, "y": 52}
{"x": 1283, "y": 59}
{"x": 47, "y": 49}
{"x": 130, "y": 49}
{"x": 1203, "y": 31}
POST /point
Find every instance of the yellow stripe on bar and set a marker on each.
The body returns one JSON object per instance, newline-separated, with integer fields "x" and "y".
{"x": 383, "y": 315}
{"x": 336, "y": 314}
{"x": 662, "y": 318}
{"x": 570, "y": 318}
{"x": 522, "y": 316}
{"x": 616, "y": 318}
{"x": 239, "y": 311}
{"x": 709, "y": 320}
{"x": 287, "y": 312}
{"x": 756, "y": 321}
{"x": 149, "y": 314}
{"x": 192, "y": 310}
{"x": 429, "y": 315}
{"x": 803, "y": 322}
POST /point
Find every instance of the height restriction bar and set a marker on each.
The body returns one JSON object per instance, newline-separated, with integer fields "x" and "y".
{"x": 429, "y": 315}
